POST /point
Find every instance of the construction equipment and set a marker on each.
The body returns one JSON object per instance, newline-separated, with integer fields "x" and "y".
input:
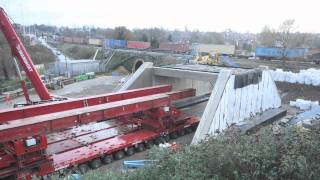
{"x": 18, "y": 51}
{"x": 216, "y": 60}
{"x": 77, "y": 134}
{"x": 210, "y": 59}
{"x": 37, "y": 140}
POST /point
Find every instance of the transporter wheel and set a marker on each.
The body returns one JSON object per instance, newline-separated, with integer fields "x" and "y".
{"x": 173, "y": 135}
{"x": 157, "y": 141}
{"x": 194, "y": 127}
{"x": 181, "y": 132}
{"x": 140, "y": 147}
{"x": 149, "y": 144}
{"x": 107, "y": 159}
{"x": 188, "y": 130}
{"x": 83, "y": 168}
{"x": 96, "y": 163}
{"x": 166, "y": 138}
{"x": 119, "y": 155}
{"x": 130, "y": 151}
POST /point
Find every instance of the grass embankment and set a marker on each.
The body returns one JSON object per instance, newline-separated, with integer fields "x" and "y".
{"x": 293, "y": 154}
{"x": 79, "y": 51}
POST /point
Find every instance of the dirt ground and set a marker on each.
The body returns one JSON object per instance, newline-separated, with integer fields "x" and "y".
{"x": 289, "y": 65}
{"x": 290, "y": 92}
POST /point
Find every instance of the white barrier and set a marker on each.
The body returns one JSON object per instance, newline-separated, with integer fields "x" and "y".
{"x": 308, "y": 77}
{"x": 304, "y": 104}
{"x": 233, "y": 105}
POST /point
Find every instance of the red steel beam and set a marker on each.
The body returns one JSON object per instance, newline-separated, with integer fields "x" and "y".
{"x": 47, "y": 123}
{"x": 30, "y": 111}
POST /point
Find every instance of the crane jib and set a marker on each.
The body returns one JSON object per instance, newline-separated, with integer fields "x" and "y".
{"x": 23, "y": 57}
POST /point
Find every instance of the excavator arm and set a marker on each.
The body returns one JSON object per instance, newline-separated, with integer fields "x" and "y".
{"x": 18, "y": 51}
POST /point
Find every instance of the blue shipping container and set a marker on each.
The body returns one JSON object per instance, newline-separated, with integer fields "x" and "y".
{"x": 278, "y": 52}
{"x": 115, "y": 43}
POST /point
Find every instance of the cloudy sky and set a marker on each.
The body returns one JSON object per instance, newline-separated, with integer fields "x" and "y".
{"x": 205, "y": 15}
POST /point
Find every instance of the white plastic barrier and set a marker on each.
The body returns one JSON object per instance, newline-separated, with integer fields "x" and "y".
{"x": 308, "y": 77}
{"x": 229, "y": 105}
{"x": 239, "y": 104}
{"x": 304, "y": 104}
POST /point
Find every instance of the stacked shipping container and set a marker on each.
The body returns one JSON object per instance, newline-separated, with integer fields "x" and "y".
{"x": 67, "y": 39}
{"x": 291, "y": 53}
{"x": 175, "y": 47}
{"x": 78, "y": 40}
{"x": 114, "y": 43}
{"x": 138, "y": 45}
{"x": 75, "y": 40}
{"x": 95, "y": 42}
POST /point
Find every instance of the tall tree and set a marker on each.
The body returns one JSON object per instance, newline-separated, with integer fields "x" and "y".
{"x": 285, "y": 34}
{"x": 170, "y": 37}
{"x": 267, "y": 37}
{"x": 154, "y": 42}
{"x": 144, "y": 38}
{"x": 122, "y": 33}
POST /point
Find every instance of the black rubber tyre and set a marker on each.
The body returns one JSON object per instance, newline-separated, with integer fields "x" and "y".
{"x": 83, "y": 168}
{"x": 188, "y": 130}
{"x": 149, "y": 144}
{"x": 107, "y": 159}
{"x": 194, "y": 127}
{"x": 181, "y": 132}
{"x": 130, "y": 151}
{"x": 140, "y": 147}
{"x": 119, "y": 155}
{"x": 166, "y": 138}
{"x": 173, "y": 135}
{"x": 94, "y": 164}
{"x": 157, "y": 141}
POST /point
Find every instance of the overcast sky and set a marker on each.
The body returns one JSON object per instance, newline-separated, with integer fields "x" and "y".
{"x": 205, "y": 15}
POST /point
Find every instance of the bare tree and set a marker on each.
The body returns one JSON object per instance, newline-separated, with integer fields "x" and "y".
{"x": 268, "y": 36}
{"x": 285, "y": 32}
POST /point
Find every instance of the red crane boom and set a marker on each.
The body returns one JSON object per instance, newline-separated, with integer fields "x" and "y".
{"x": 18, "y": 50}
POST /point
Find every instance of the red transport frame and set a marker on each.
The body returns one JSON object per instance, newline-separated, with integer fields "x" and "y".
{"x": 91, "y": 143}
{"x": 30, "y": 111}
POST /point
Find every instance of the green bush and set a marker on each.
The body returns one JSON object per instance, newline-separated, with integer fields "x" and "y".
{"x": 294, "y": 154}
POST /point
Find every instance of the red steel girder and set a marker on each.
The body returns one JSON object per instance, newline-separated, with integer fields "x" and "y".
{"x": 47, "y": 123}
{"x": 43, "y": 124}
{"x": 30, "y": 111}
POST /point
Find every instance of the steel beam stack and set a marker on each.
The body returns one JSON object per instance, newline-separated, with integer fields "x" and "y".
{"x": 41, "y": 139}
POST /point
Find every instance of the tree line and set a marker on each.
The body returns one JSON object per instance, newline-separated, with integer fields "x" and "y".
{"x": 286, "y": 35}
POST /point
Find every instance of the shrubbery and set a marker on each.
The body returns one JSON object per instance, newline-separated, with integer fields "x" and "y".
{"x": 294, "y": 154}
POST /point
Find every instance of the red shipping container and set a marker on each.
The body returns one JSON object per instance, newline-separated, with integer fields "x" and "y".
{"x": 138, "y": 45}
{"x": 78, "y": 40}
{"x": 67, "y": 39}
{"x": 175, "y": 47}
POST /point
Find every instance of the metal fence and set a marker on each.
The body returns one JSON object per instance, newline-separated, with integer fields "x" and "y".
{"x": 74, "y": 67}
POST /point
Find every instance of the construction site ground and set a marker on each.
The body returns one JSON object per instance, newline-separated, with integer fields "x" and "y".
{"x": 288, "y": 65}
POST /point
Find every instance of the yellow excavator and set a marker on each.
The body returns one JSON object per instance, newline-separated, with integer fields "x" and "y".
{"x": 216, "y": 59}
{"x": 210, "y": 59}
